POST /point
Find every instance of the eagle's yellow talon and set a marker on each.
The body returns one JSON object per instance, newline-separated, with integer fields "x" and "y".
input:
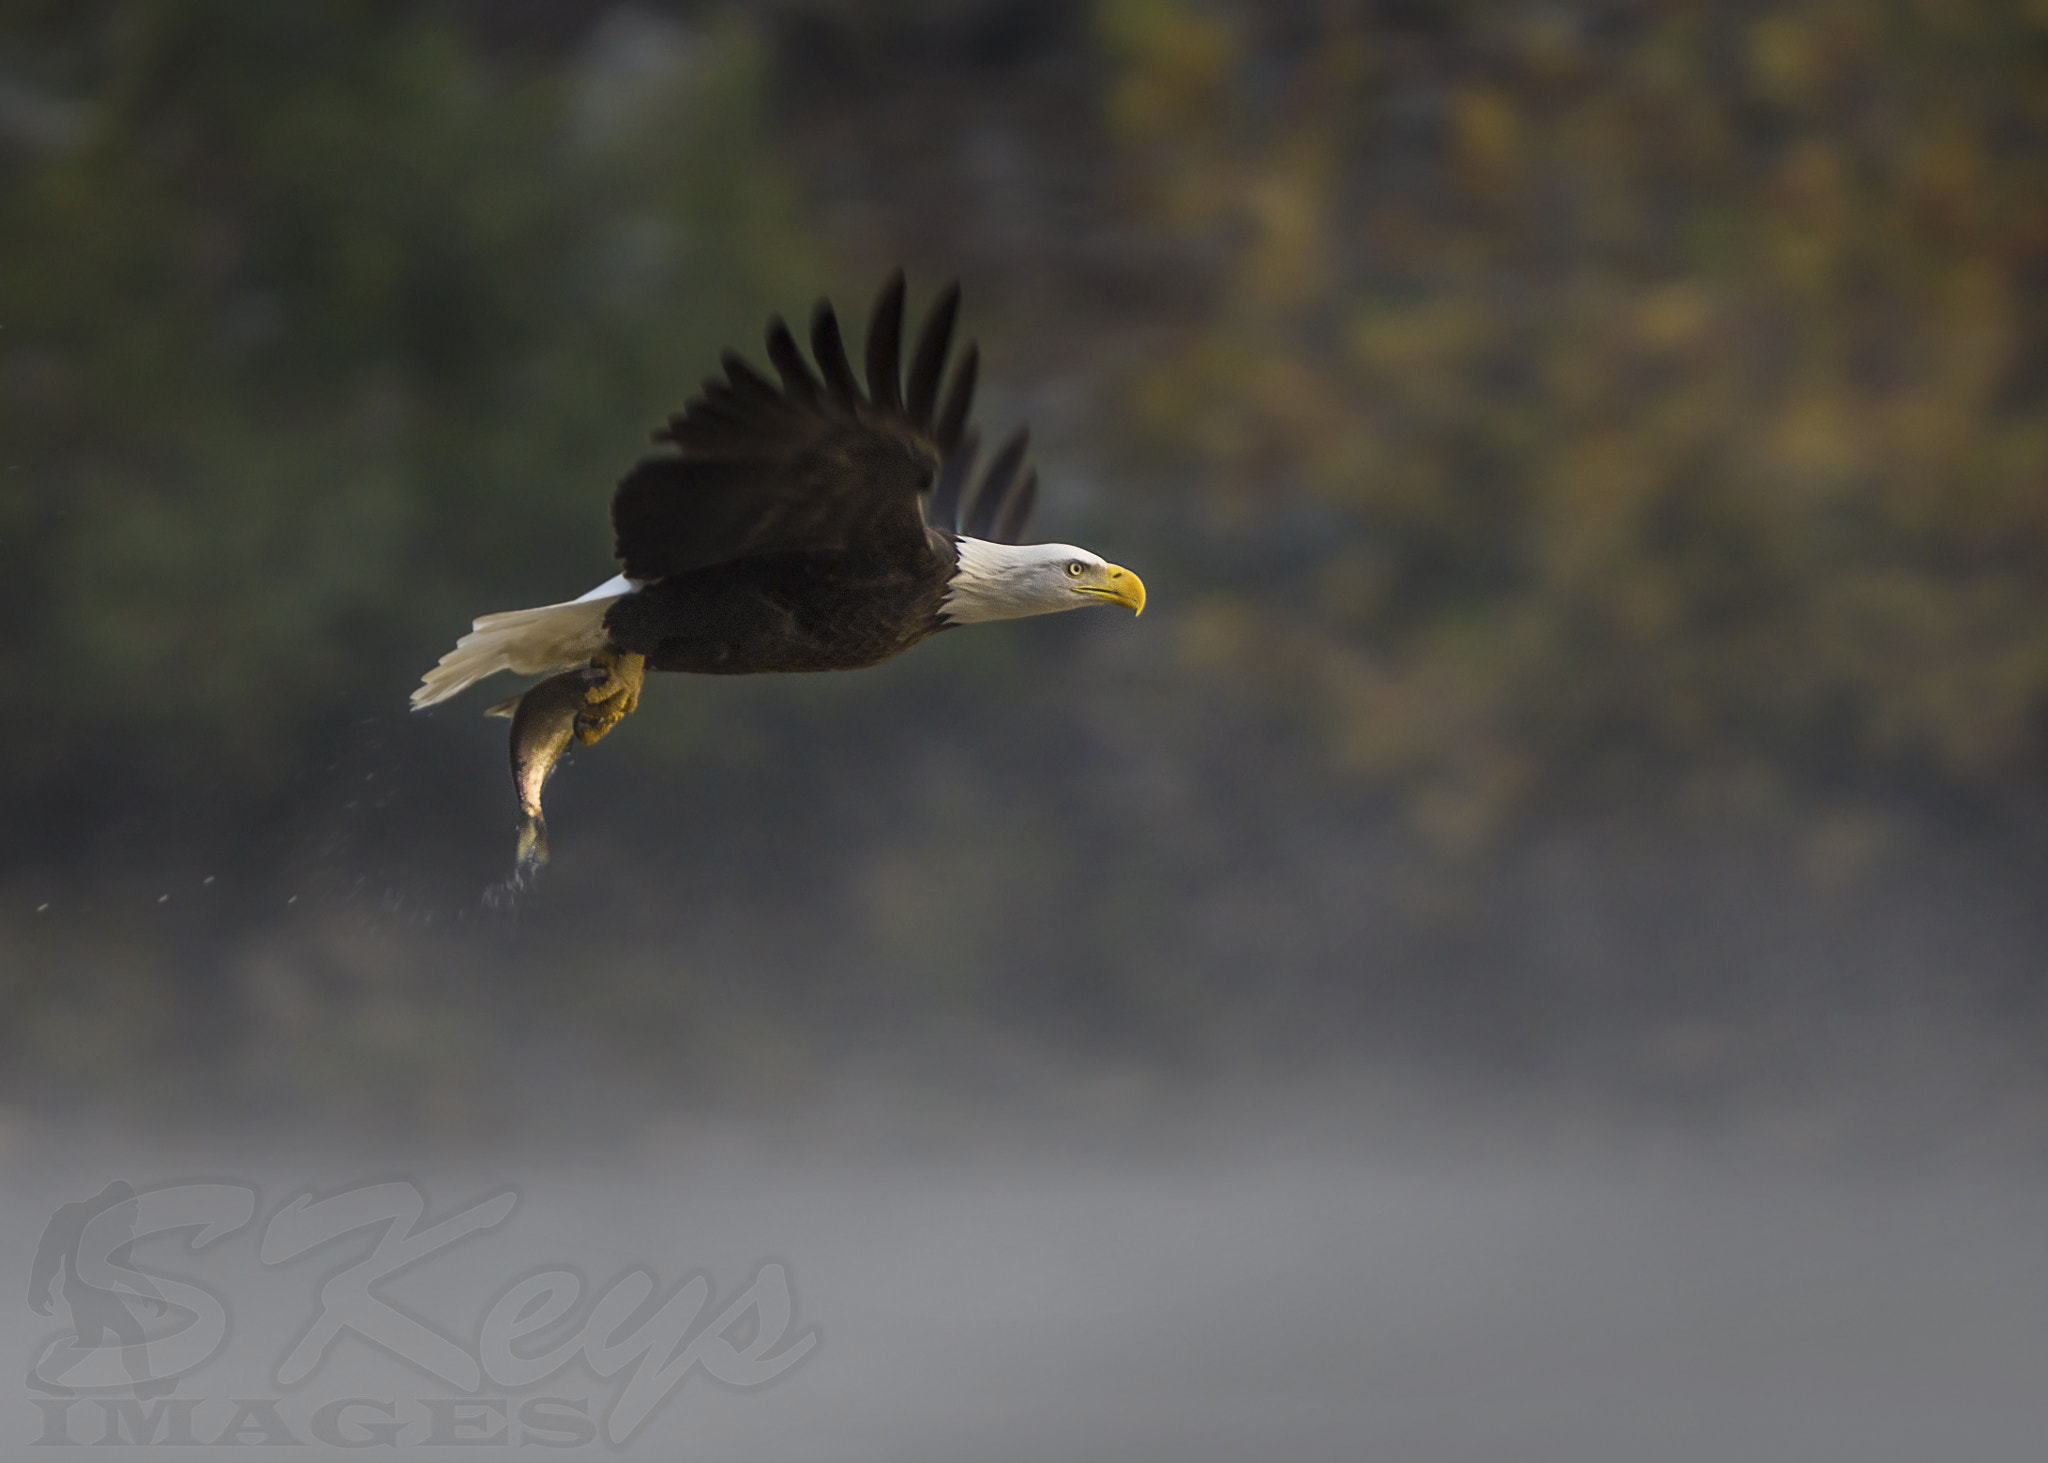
{"x": 611, "y": 700}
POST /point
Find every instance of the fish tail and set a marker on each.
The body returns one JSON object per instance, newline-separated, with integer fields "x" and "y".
{"x": 532, "y": 852}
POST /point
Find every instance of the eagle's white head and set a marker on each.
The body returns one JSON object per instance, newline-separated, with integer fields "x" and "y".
{"x": 1010, "y": 581}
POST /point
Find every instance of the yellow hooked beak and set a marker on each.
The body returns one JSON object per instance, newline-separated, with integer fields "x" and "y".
{"x": 1117, "y": 585}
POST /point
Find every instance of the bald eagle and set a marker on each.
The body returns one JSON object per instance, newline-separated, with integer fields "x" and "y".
{"x": 806, "y": 526}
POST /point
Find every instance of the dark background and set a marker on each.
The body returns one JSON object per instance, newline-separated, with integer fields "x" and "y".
{"x": 1589, "y": 463}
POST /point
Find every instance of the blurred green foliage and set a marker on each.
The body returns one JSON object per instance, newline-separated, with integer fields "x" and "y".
{"x": 321, "y": 331}
{"x": 1651, "y": 392}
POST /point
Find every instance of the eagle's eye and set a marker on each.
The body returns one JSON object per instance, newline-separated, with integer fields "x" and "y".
{"x": 1075, "y": 568}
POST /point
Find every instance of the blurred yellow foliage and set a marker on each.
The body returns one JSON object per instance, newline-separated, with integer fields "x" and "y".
{"x": 1665, "y": 422}
{"x": 1180, "y": 62}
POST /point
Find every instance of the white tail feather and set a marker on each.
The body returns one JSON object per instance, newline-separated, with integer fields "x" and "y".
{"x": 528, "y": 642}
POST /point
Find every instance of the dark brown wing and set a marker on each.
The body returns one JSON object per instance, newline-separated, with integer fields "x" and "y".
{"x": 1003, "y": 499}
{"x": 815, "y": 463}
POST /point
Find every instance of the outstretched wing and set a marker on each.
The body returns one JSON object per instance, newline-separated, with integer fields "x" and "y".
{"x": 813, "y": 464}
{"x": 998, "y": 508}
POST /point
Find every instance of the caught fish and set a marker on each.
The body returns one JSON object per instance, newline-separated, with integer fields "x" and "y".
{"x": 544, "y": 723}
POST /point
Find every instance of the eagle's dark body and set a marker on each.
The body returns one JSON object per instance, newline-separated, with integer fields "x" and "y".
{"x": 794, "y": 611}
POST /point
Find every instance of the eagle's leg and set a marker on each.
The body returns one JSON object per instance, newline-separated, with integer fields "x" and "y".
{"x": 613, "y": 698}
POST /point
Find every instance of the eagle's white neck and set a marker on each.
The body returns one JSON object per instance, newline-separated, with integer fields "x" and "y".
{"x": 1008, "y": 581}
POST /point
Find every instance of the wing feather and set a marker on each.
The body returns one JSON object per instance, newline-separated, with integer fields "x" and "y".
{"x": 831, "y": 353}
{"x": 928, "y": 363}
{"x": 1015, "y": 514}
{"x": 995, "y": 487}
{"x": 816, "y": 463}
{"x": 797, "y": 381}
{"x": 959, "y": 399}
{"x": 748, "y": 384}
{"x": 885, "y": 347}
{"x": 953, "y": 474}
